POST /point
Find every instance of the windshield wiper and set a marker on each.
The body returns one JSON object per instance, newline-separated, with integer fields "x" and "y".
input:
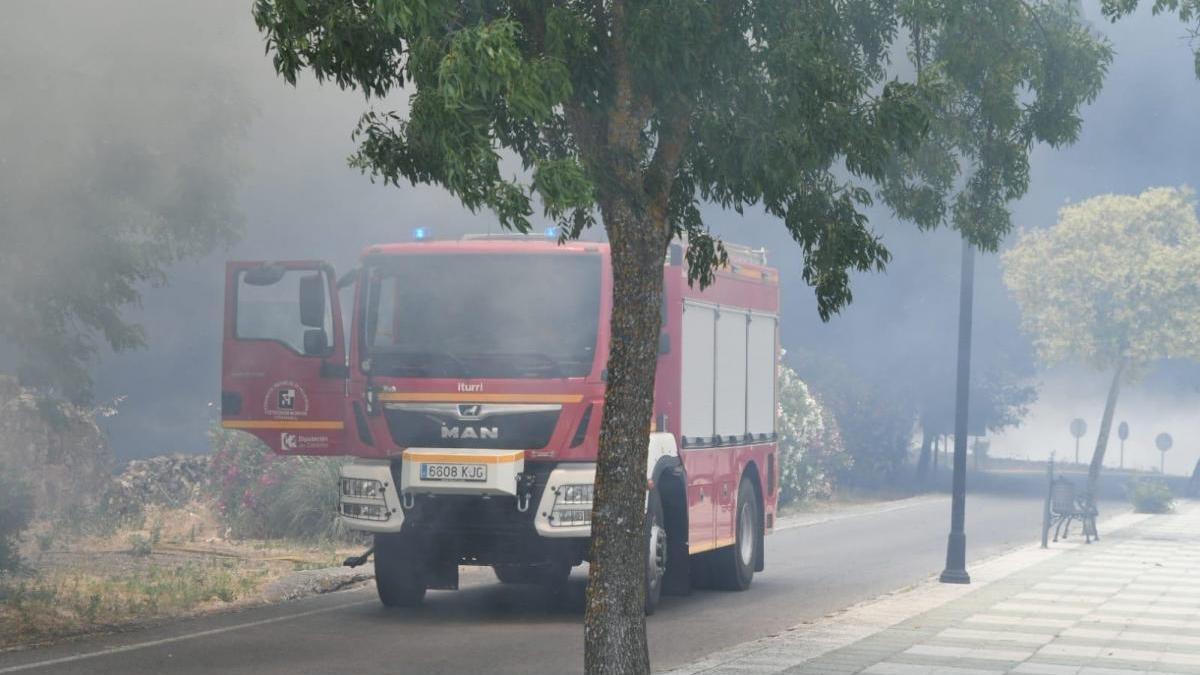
{"x": 406, "y": 363}
{"x": 546, "y": 362}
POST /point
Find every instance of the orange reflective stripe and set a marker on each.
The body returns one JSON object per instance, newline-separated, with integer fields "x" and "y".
{"x": 433, "y": 397}
{"x": 283, "y": 424}
{"x": 464, "y": 458}
{"x": 720, "y": 543}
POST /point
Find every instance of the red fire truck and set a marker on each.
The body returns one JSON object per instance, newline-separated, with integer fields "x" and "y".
{"x": 466, "y": 382}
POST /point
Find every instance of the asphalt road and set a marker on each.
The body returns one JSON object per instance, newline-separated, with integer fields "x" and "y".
{"x": 812, "y": 569}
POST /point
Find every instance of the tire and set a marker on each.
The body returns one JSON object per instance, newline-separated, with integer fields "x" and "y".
{"x": 399, "y": 571}
{"x": 733, "y": 566}
{"x": 656, "y": 550}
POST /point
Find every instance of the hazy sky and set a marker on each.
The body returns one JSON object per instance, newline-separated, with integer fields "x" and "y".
{"x": 300, "y": 200}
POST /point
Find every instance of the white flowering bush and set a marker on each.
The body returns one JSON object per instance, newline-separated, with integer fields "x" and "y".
{"x": 811, "y": 453}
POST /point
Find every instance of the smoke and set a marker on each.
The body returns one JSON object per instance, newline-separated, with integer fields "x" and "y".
{"x": 297, "y": 198}
{"x": 1150, "y": 407}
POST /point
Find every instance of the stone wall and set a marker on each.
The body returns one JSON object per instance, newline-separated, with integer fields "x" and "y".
{"x": 167, "y": 480}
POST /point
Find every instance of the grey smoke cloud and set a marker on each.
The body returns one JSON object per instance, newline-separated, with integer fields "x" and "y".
{"x": 300, "y": 200}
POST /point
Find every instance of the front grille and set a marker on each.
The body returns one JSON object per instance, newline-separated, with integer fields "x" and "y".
{"x": 435, "y": 426}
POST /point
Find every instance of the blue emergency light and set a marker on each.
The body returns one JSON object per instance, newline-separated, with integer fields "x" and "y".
{"x": 551, "y": 233}
{"x": 420, "y": 233}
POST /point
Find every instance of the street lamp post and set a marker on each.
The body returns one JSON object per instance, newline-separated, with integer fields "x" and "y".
{"x": 956, "y": 545}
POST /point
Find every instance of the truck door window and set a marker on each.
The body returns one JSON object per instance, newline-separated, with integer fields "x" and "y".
{"x": 271, "y": 311}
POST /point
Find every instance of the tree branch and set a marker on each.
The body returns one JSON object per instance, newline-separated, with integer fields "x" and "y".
{"x": 660, "y": 174}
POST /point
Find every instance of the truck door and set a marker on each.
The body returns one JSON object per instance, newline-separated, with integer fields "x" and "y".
{"x": 283, "y": 361}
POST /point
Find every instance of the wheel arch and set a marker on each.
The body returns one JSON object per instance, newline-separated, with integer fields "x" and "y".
{"x": 670, "y": 478}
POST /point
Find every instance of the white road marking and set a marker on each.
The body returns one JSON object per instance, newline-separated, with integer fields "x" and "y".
{"x": 178, "y": 638}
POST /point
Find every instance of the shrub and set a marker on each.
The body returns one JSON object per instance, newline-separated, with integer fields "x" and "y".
{"x": 140, "y": 546}
{"x": 264, "y": 495}
{"x": 1150, "y": 496}
{"x": 811, "y": 454}
{"x": 16, "y": 512}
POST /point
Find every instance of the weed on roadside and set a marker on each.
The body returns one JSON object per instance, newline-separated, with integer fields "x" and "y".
{"x": 72, "y": 602}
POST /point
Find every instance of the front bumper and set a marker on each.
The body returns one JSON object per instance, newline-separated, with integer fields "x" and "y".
{"x": 547, "y": 520}
{"x": 441, "y": 507}
{"x": 381, "y": 513}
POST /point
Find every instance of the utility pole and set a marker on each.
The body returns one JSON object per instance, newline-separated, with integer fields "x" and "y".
{"x": 956, "y": 545}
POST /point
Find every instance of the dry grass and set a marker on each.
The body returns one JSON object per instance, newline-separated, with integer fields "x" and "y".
{"x": 177, "y": 563}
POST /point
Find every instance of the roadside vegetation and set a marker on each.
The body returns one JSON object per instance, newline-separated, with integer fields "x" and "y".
{"x": 254, "y": 519}
{"x": 261, "y": 495}
{"x": 1150, "y": 495}
{"x": 16, "y": 512}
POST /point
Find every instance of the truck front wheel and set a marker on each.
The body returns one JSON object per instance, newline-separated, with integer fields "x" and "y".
{"x": 399, "y": 570}
{"x": 656, "y": 550}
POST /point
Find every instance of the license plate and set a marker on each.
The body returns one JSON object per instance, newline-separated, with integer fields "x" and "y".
{"x": 463, "y": 472}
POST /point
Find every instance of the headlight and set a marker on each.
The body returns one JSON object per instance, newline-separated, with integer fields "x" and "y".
{"x": 362, "y": 488}
{"x": 365, "y": 511}
{"x": 575, "y": 494}
{"x": 570, "y": 517}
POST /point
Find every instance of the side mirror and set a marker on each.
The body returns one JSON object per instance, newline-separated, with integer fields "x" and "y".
{"x": 266, "y": 275}
{"x": 316, "y": 342}
{"x": 664, "y": 343}
{"x": 312, "y": 302}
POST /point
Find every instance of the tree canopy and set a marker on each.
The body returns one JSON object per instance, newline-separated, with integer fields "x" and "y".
{"x": 1114, "y": 281}
{"x": 796, "y": 107}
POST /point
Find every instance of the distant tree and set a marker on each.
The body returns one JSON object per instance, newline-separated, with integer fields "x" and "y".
{"x": 118, "y": 159}
{"x": 638, "y": 110}
{"x": 1114, "y": 285}
{"x": 999, "y": 398}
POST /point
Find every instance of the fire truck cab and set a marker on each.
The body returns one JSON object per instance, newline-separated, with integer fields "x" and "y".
{"x": 465, "y": 382}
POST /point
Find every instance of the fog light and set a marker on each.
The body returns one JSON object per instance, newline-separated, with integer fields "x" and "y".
{"x": 570, "y": 517}
{"x": 362, "y": 488}
{"x": 365, "y": 511}
{"x": 575, "y": 494}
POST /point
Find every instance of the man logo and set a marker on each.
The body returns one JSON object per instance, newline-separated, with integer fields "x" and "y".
{"x": 469, "y": 411}
{"x": 287, "y": 441}
{"x": 470, "y": 432}
{"x": 287, "y": 399}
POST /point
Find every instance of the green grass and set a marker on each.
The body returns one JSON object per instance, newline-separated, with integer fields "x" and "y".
{"x": 75, "y": 602}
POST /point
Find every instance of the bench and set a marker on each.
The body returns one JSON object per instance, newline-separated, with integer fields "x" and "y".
{"x": 1066, "y": 506}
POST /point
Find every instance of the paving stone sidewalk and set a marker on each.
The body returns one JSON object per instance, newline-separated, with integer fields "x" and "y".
{"x": 1127, "y": 604}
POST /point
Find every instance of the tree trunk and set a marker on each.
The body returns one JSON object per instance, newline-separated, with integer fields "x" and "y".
{"x": 1110, "y": 406}
{"x": 926, "y": 451}
{"x": 615, "y": 620}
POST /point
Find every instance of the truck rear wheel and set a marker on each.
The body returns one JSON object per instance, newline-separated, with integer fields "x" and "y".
{"x": 656, "y": 550}
{"x": 399, "y": 570}
{"x": 733, "y": 566}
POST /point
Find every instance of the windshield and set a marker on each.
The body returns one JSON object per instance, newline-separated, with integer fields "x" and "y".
{"x": 484, "y": 315}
